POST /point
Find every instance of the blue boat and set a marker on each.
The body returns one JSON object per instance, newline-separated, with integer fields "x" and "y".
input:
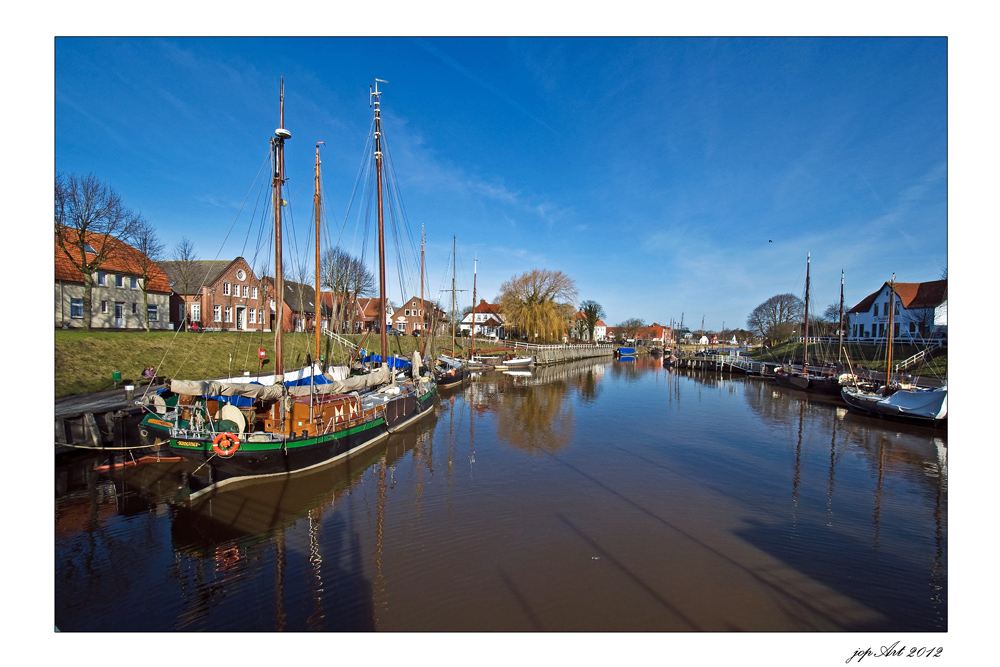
{"x": 624, "y": 352}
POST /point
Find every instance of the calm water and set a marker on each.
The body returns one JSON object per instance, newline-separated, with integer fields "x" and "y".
{"x": 612, "y": 496}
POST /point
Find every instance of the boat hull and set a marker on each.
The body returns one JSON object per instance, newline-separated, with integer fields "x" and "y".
{"x": 930, "y": 407}
{"x": 814, "y": 384}
{"x": 267, "y": 458}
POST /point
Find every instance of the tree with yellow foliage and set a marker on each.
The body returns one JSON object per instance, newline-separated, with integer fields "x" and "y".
{"x": 539, "y": 304}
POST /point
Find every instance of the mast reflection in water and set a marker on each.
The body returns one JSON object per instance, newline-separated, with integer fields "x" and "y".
{"x": 612, "y": 496}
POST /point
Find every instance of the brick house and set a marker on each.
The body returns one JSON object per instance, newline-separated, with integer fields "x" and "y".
{"x": 116, "y": 294}
{"x": 299, "y": 310}
{"x": 362, "y": 311}
{"x": 219, "y": 295}
{"x": 415, "y": 315}
{"x": 920, "y": 313}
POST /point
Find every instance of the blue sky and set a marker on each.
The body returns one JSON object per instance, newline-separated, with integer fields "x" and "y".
{"x": 667, "y": 176}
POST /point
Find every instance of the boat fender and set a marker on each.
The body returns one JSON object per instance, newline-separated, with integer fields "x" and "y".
{"x": 225, "y": 444}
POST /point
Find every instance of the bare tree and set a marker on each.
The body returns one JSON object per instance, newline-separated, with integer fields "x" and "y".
{"x": 186, "y": 257}
{"x": 347, "y": 277}
{"x": 592, "y": 311}
{"x": 537, "y": 302}
{"x": 89, "y": 218}
{"x": 630, "y": 327}
{"x": 150, "y": 249}
{"x": 776, "y": 319}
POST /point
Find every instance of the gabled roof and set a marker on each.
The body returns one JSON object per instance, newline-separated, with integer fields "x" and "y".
{"x": 122, "y": 259}
{"x": 483, "y": 307}
{"x": 911, "y": 295}
{"x": 299, "y": 297}
{"x": 427, "y": 305}
{"x": 201, "y": 272}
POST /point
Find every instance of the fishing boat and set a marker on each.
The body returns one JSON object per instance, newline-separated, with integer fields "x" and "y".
{"x": 901, "y": 401}
{"x": 282, "y": 428}
{"x": 828, "y": 379}
{"x": 449, "y": 372}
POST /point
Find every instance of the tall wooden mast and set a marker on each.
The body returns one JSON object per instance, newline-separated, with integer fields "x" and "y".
{"x": 892, "y": 309}
{"x": 473, "y": 348}
{"x": 319, "y": 301}
{"x": 805, "y": 349}
{"x": 840, "y": 319}
{"x": 278, "y": 142}
{"x": 381, "y": 231}
{"x": 423, "y": 315}
{"x": 453, "y": 262}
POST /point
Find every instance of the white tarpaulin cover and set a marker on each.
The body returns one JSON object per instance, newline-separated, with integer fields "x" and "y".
{"x": 929, "y": 403}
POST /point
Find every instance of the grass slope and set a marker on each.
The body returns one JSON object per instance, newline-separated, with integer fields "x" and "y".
{"x": 85, "y": 361}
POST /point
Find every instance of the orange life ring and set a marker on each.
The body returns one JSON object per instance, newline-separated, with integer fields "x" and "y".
{"x": 226, "y": 444}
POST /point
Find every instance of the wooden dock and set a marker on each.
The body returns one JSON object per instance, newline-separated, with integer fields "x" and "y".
{"x": 106, "y": 420}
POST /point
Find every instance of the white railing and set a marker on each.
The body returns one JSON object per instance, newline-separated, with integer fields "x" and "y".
{"x": 519, "y": 345}
{"x": 338, "y": 338}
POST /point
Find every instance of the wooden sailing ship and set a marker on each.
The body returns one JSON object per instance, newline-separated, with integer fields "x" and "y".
{"x": 278, "y": 429}
{"x": 826, "y": 380}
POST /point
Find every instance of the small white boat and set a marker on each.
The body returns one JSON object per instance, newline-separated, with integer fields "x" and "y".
{"x": 518, "y": 362}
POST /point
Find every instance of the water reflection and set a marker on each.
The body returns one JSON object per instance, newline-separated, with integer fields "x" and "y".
{"x": 584, "y": 496}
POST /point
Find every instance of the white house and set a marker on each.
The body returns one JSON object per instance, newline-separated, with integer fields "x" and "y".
{"x": 488, "y": 320}
{"x": 920, "y": 313}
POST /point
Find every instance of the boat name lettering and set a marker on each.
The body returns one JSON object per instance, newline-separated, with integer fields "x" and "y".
{"x": 188, "y": 443}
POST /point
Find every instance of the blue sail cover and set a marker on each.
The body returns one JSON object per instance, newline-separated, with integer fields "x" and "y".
{"x": 392, "y": 362}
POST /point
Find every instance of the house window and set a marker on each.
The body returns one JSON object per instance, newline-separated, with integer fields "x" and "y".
{"x": 253, "y": 316}
{"x": 402, "y": 326}
{"x": 253, "y": 292}
{"x": 119, "y": 280}
{"x": 196, "y": 312}
{"x": 133, "y": 282}
{"x": 76, "y": 309}
{"x": 895, "y": 307}
{"x": 246, "y": 291}
{"x": 217, "y": 313}
{"x": 152, "y": 313}
{"x": 135, "y": 308}
{"x": 102, "y": 278}
{"x": 406, "y": 312}
{"x": 104, "y": 306}
{"x": 229, "y": 314}
{"x": 876, "y": 310}
{"x": 225, "y": 289}
{"x": 913, "y": 327}
{"x": 260, "y": 315}
{"x": 895, "y": 330}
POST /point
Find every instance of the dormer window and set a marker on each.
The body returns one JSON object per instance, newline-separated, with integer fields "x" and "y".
{"x": 89, "y": 248}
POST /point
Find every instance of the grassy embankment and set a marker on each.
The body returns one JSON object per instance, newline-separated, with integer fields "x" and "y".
{"x": 869, "y": 356}
{"x": 84, "y": 361}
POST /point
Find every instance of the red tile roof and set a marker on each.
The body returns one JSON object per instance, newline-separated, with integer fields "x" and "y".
{"x": 122, "y": 259}
{"x": 911, "y": 295}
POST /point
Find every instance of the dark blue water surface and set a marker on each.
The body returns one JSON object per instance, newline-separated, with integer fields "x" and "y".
{"x": 604, "y": 496}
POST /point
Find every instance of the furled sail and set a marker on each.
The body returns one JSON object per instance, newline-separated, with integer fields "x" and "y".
{"x": 272, "y": 392}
